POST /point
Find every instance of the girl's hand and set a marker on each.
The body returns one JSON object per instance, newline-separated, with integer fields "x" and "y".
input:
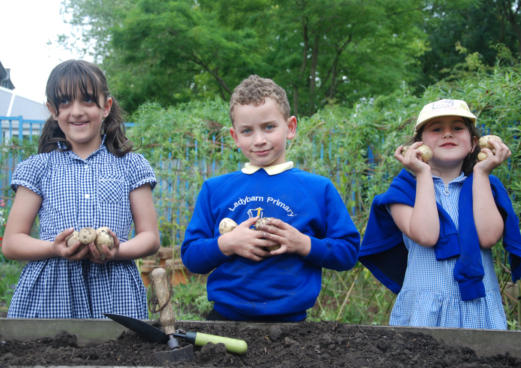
{"x": 411, "y": 158}
{"x": 74, "y": 252}
{"x": 495, "y": 157}
{"x": 245, "y": 242}
{"x": 289, "y": 238}
{"x": 101, "y": 253}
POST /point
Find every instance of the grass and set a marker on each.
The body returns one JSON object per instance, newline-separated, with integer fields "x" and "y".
{"x": 189, "y": 300}
{"x": 9, "y": 275}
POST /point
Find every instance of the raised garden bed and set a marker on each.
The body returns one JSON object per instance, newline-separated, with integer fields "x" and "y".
{"x": 103, "y": 343}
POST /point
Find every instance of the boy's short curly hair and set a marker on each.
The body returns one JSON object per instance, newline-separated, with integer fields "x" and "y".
{"x": 255, "y": 90}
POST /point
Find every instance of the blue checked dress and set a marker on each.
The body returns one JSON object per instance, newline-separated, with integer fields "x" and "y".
{"x": 81, "y": 193}
{"x": 430, "y": 295}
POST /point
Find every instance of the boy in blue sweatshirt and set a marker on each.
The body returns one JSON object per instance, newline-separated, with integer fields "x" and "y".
{"x": 273, "y": 271}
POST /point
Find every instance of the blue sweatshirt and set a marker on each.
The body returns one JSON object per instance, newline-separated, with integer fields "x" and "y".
{"x": 384, "y": 254}
{"x": 282, "y": 287}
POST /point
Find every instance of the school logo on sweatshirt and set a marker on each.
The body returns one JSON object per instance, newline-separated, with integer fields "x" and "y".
{"x": 254, "y": 212}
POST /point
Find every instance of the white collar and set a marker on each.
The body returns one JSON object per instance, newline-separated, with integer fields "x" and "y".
{"x": 270, "y": 170}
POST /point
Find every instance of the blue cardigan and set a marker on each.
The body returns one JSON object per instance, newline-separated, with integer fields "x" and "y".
{"x": 384, "y": 253}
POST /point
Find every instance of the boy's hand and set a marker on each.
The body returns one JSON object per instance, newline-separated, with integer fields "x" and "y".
{"x": 290, "y": 239}
{"x": 245, "y": 242}
{"x": 74, "y": 252}
{"x": 104, "y": 253}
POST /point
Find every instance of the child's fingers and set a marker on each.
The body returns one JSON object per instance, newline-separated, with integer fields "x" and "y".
{"x": 60, "y": 244}
{"x": 249, "y": 222}
{"x": 254, "y": 253}
{"x": 500, "y": 149}
{"x": 63, "y": 235}
{"x": 493, "y": 157}
{"x": 399, "y": 151}
{"x": 78, "y": 253}
{"x": 281, "y": 250}
{"x": 271, "y": 224}
{"x": 268, "y": 239}
{"x": 115, "y": 237}
{"x": 95, "y": 254}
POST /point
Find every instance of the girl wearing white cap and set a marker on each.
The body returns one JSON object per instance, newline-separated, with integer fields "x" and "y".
{"x": 429, "y": 236}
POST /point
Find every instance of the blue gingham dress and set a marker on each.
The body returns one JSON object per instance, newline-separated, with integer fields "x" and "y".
{"x": 78, "y": 193}
{"x": 430, "y": 295}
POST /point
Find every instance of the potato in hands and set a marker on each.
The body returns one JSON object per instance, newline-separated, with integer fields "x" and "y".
{"x": 88, "y": 235}
{"x": 103, "y": 238}
{"x": 73, "y": 239}
{"x": 485, "y": 142}
{"x": 226, "y": 225}
{"x": 425, "y": 152}
{"x": 264, "y": 221}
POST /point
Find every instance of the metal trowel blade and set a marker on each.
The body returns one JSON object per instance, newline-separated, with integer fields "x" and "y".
{"x": 147, "y": 331}
{"x": 182, "y": 354}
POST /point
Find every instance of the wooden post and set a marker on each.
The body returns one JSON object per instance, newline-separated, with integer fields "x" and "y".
{"x": 147, "y": 265}
{"x": 164, "y": 253}
{"x": 162, "y": 291}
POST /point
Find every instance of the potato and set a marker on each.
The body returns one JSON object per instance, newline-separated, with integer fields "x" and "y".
{"x": 484, "y": 142}
{"x": 103, "y": 237}
{"x": 87, "y": 235}
{"x": 482, "y": 156}
{"x": 73, "y": 239}
{"x": 261, "y": 222}
{"x": 425, "y": 151}
{"x": 226, "y": 225}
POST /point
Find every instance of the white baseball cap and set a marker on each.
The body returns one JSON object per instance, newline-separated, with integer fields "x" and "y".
{"x": 445, "y": 107}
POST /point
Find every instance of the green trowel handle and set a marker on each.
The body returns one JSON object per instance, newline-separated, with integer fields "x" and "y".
{"x": 232, "y": 345}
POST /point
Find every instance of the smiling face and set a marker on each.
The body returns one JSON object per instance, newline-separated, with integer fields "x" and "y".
{"x": 261, "y": 131}
{"x": 78, "y": 100}
{"x": 80, "y": 119}
{"x": 450, "y": 140}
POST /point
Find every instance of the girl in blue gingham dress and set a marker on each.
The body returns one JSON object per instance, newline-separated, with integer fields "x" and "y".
{"x": 429, "y": 236}
{"x": 84, "y": 175}
{"x": 430, "y": 295}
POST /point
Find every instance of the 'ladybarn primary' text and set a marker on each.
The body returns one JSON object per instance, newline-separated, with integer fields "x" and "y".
{"x": 268, "y": 200}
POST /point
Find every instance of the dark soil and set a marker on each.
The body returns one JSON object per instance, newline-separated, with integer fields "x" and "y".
{"x": 308, "y": 345}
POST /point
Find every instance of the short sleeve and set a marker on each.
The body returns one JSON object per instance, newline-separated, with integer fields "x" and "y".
{"x": 139, "y": 171}
{"x": 29, "y": 173}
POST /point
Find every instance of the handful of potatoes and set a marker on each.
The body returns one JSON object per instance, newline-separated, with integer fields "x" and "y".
{"x": 100, "y": 237}
{"x": 425, "y": 152}
{"x": 484, "y": 142}
{"x": 227, "y": 224}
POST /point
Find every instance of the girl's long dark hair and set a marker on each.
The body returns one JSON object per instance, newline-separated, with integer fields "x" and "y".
{"x": 80, "y": 79}
{"x": 471, "y": 159}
